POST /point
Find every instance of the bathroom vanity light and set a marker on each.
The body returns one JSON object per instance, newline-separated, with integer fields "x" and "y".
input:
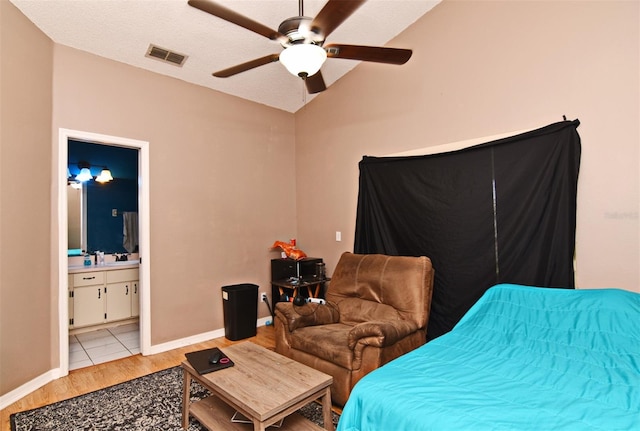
{"x": 85, "y": 173}
{"x": 105, "y": 176}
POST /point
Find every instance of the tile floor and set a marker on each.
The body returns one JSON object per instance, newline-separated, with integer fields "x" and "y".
{"x": 103, "y": 345}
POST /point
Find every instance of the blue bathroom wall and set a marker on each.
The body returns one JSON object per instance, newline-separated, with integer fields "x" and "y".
{"x": 104, "y": 229}
{"x": 122, "y": 162}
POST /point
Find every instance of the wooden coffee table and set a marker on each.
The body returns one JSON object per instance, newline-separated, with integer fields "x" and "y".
{"x": 263, "y": 386}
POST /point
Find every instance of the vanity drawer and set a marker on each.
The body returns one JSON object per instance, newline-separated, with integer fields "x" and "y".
{"x": 88, "y": 278}
{"x": 119, "y": 275}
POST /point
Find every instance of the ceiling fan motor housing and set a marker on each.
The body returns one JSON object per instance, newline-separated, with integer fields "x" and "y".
{"x": 298, "y": 30}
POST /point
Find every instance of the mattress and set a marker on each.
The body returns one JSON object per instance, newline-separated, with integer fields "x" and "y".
{"x": 522, "y": 358}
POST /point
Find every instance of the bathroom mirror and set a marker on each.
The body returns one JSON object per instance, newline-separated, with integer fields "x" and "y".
{"x": 75, "y": 214}
{"x": 103, "y": 216}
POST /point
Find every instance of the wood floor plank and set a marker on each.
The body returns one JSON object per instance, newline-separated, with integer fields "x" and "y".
{"x": 85, "y": 380}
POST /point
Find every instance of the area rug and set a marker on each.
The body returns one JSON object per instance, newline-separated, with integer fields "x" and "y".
{"x": 152, "y": 402}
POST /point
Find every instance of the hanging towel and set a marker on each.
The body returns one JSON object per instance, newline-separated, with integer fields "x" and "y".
{"x": 130, "y": 230}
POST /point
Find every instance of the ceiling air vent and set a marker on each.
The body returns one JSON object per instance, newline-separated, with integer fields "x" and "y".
{"x": 166, "y": 55}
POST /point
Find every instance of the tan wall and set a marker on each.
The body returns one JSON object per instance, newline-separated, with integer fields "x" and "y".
{"x": 482, "y": 68}
{"x": 27, "y": 296}
{"x": 219, "y": 197}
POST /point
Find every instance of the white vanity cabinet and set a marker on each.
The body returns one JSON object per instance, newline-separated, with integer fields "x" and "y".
{"x": 88, "y": 298}
{"x": 119, "y": 293}
{"x": 102, "y": 296}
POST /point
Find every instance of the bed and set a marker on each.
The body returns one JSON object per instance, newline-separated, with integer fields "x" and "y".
{"x": 522, "y": 358}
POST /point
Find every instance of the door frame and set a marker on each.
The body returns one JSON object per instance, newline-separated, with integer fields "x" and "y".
{"x": 144, "y": 235}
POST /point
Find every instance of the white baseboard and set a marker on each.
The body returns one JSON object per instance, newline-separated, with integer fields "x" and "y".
{"x": 199, "y": 338}
{"x": 51, "y": 375}
{"x": 24, "y": 390}
{"x": 176, "y": 344}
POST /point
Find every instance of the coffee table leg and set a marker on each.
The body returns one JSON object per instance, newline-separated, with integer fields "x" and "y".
{"x": 258, "y": 426}
{"x": 326, "y": 410}
{"x": 186, "y": 397}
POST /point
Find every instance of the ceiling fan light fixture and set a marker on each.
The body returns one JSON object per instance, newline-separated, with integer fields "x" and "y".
{"x": 303, "y": 59}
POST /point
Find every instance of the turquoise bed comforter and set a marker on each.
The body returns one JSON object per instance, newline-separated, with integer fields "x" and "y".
{"x": 523, "y": 358}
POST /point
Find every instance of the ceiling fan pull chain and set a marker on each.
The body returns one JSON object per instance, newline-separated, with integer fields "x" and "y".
{"x": 304, "y": 92}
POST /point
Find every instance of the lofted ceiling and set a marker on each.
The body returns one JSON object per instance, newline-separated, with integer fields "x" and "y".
{"x": 123, "y": 30}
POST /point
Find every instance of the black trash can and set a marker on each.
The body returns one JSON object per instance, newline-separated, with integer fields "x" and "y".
{"x": 240, "y": 307}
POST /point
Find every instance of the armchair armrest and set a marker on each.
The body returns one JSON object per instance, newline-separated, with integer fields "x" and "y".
{"x": 295, "y": 317}
{"x": 381, "y": 333}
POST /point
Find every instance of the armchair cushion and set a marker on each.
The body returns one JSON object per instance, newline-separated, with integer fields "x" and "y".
{"x": 357, "y": 310}
{"x": 401, "y": 283}
{"x": 379, "y": 333}
{"x": 328, "y": 342}
{"x": 306, "y": 315}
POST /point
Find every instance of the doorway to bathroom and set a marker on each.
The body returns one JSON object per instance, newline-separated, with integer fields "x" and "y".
{"x": 102, "y": 231}
{"x": 102, "y": 202}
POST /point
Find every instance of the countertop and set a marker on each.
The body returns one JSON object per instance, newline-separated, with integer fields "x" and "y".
{"x": 112, "y": 266}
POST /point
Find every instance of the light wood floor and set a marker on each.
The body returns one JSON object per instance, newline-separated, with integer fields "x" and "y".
{"x": 89, "y": 379}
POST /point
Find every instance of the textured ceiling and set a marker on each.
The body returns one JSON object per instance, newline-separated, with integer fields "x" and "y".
{"x": 122, "y": 30}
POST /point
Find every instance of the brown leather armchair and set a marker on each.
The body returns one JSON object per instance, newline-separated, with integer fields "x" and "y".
{"x": 377, "y": 309}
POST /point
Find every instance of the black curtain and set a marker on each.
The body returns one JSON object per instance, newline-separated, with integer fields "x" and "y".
{"x": 500, "y": 212}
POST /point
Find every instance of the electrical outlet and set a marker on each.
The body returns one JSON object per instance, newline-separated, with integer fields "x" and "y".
{"x": 264, "y": 297}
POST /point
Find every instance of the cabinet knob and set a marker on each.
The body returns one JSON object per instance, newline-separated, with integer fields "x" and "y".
{"x": 99, "y": 293}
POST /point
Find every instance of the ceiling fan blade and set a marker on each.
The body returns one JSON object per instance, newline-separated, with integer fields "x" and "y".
{"x": 315, "y": 83}
{"x": 246, "y": 66}
{"x": 226, "y": 14}
{"x": 369, "y": 53}
{"x": 334, "y": 13}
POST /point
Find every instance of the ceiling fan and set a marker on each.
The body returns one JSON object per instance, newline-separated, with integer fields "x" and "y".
{"x": 303, "y": 41}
